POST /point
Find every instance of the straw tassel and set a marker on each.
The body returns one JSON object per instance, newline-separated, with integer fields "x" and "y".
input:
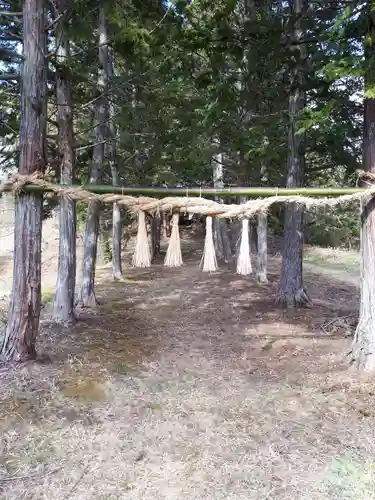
{"x": 208, "y": 262}
{"x": 173, "y": 257}
{"x": 142, "y": 254}
{"x": 244, "y": 259}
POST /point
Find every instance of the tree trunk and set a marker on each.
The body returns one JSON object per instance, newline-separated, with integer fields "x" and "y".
{"x": 253, "y": 238}
{"x": 363, "y": 348}
{"x": 262, "y": 235}
{"x": 24, "y": 311}
{"x": 220, "y": 226}
{"x": 165, "y": 226}
{"x": 86, "y": 297}
{"x": 155, "y": 235}
{"x": 116, "y": 214}
{"x": 291, "y": 289}
{"x": 63, "y": 306}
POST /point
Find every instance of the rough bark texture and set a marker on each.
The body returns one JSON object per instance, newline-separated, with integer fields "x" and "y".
{"x": 24, "y": 311}
{"x": 253, "y": 229}
{"x": 86, "y": 296}
{"x": 220, "y": 226}
{"x": 291, "y": 289}
{"x": 116, "y": 213}
{"x": 363, "y": 348}
{"x": 63, "y": 305}
{"x": 155, "y": 235}
{"x": 262, "y": 235}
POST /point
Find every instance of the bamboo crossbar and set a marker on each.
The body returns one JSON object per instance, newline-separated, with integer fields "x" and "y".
{"x": 191, "y": 200}
{"x": 188, "y": 191}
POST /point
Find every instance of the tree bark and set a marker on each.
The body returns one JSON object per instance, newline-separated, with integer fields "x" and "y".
{"x": 220, "y": 226}
{"x": 165, "y": 226}
{"x": 155, "y": 235}
{"x": 363, "y": 347}
{"x": 116, "y": 214}
{"x": 24, "y": 311}
{"x": 291, "y": 289}
{"x": 259, "y": 230}
{"x": 63, "y": 306}
{"x": 86, "y": 297}
{"x": 262, "y": 235}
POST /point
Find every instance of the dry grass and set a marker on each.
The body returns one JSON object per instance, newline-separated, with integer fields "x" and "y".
{"x": 192, "y": 386}
{"x": 347, "y": 260}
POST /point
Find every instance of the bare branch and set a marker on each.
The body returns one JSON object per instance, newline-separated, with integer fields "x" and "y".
{"x": 88, "y": 146}
{"x": 56, "y": 20}
{"x": 10, "y": 53}
{"x": 9, "y": 77}
{"x": 8, "y": 13}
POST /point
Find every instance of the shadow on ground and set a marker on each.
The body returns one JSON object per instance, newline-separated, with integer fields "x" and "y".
{"x": 186, "y": 385}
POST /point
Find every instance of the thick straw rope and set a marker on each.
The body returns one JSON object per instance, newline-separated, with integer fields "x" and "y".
{"x": 196, "y": 205}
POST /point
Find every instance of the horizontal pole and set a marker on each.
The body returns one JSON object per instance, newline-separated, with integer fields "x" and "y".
{"x": 178, "y": 191}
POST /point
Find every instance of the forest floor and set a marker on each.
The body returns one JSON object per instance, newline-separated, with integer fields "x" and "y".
{"x": 186, "y": 385}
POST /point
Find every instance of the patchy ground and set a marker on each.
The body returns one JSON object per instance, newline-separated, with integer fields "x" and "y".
{"x": 191, "y": 386}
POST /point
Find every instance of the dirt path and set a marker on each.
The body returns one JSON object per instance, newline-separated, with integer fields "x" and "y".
{"x": 188, "y": 386}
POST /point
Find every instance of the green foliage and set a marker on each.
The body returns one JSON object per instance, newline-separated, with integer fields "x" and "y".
{"x": 81, "y": 211}
{"x": 196, "y": 78}
{"x": 340, "y": 228}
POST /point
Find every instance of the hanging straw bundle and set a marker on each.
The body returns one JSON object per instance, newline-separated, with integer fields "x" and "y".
{"x": 142, "y": 254}
{"x": 208, "y": 262}
{"x": 173, "y": 257}
{"x": 244, "y": 259}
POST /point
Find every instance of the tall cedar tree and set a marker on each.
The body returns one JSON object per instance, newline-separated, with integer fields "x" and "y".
{"x": 24, "y": 311}
{"x": 364, "y": 339}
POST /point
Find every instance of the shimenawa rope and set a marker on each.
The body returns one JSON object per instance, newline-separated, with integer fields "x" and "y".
{"x": 186, "y": 204}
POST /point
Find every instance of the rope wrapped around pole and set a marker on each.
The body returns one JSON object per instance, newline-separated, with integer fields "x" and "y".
{"x": 194, "y": 205}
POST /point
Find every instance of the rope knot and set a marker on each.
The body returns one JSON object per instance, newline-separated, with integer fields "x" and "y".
{"x": 19, "y": 181}
{"x": 365, "y": 177}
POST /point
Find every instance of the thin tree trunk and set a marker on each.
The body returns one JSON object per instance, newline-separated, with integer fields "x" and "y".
{"x": 253, "y": 229}
{"x": 24, "y": 311}
{"x": 259, "y": 229}
{"x": 116, "y": 214}
{"x": 155, "y": 235}
{"x": 220, "y": 226}
{"x": 363, "y": 348}
{"x": 291, "y": 290}
{"x": 165, "y": 226}
{"x": 86, "y": 297}
{"x": 262, "y": 235}
{"x": 63, "y": 306}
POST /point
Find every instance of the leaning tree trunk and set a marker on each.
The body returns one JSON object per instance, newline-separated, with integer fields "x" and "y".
{"x": 363, "y": 348}
{"x": 86, "y": 296}
{"x": 63, "y": 306}
{"x": 291, "y": 289}
{"x": 220, "y": 226}
{"x": 24, "y": 311}
{"x": 116, "y": 211}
